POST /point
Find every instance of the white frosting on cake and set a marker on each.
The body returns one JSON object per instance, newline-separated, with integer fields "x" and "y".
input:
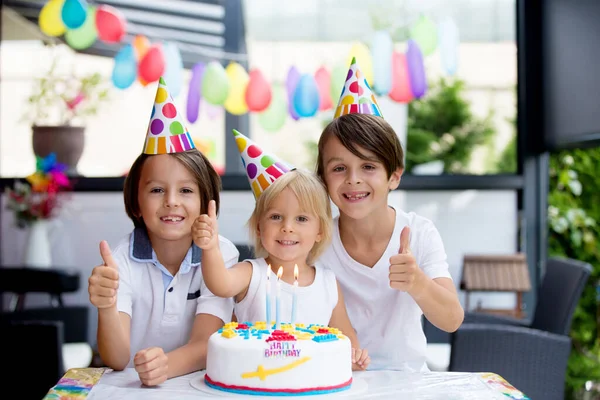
{"x": 299, "y": 364}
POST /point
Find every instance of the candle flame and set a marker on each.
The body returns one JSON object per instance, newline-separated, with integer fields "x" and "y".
{"x": 296, "y": 271}
{"x": 279, "y": 272}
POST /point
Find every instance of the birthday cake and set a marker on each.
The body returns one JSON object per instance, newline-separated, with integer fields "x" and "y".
{"x": 293, "y": 360}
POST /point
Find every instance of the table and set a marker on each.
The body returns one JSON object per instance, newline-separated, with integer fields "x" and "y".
{"x": 100, "y": 383}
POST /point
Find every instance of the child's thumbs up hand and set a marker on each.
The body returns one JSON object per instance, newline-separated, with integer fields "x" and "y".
{"x": 104, "y": 281}
{"x": 405, "y": 274}
{"x": 205, "y": 230}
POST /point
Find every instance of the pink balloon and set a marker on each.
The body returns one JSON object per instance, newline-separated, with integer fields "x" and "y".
{"x": 400, "y": 79}
{"x": 110, "y": 24}
{"x": 152, "y": 65}
{"x": 323, "y": 80}
{"x": 258, "y": 92}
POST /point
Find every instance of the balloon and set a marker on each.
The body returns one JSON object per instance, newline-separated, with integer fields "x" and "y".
{"x": 215, "y": 84}
{"x": 173, "y": 74}
{"x": 364, "y": 60}
{"x": 338, "y": 79}
{"x": 424, "y": 33}
{"x": 449, "y": 41}
{"x": 400, "y": 91}
{"x": 84, "y": 36}
{"x": 291, "y": 82}
{"x": 50, "y": 20}
{"x": 323, "y": 81}
{"x": 152, "y": 66}
{"x": 416, "y": 69}
{"x": 125, "y": 68}
{"x": 258, "y": 93}
{"x": 141, "y": 44}
{"x": 238, "y": 82}
{"x": 273, "y": 118}
{"x": 381, "y": 49}
{"x": 110, "y": 23}
{"x": 206, "y": 146}
{"x": 194, "y": 95}
{"x": 74, "y": 13}
{"x": 306, "y": 96}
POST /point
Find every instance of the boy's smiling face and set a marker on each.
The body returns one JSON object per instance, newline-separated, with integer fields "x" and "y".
{"x": 357, "y": 186}
{"x": 168, "y": 198}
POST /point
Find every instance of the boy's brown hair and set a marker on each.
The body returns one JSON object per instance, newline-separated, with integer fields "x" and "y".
{"x": 313, "y": 199}
{"x": 368, "y": 132}
{"x": 209, "y": 182}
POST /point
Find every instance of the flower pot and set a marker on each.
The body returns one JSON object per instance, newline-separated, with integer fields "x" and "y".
{"x": 65, "y": 141}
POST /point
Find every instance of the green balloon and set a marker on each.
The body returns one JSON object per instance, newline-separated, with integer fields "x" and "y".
{"x": 273, "y": 118}
{"x": 338, "y": 78}
{"x": 84, "y": 36}
{"x": 215, "y": 84}
{"x": 424, "y": 32}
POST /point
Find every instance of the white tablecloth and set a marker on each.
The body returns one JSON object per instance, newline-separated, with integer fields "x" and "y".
{"x": 367, "y": 385}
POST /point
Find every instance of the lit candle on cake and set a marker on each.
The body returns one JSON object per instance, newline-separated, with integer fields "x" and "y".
{"x": 268, "y": 297}
{"x": 294, "y": 294}
{"x": 278, "y": 298}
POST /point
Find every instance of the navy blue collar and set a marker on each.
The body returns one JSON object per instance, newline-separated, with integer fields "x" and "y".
{"x": 141, "y": 249}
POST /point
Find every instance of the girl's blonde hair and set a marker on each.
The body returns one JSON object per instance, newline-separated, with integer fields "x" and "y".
{"x": 313, "y": 199}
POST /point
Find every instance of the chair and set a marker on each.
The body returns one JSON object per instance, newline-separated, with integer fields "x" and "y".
{"x": 21, "y": 342}
{"x": 530, "y": 355}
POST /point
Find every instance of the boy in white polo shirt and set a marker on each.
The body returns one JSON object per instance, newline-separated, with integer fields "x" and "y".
{"x": 391, "y": 265}
{"x": 154, "y": 311}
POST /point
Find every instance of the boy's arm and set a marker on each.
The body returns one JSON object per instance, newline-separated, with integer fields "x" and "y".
{"x": 436, "y": 297}
{"x": 114, "y": 329}
{"x": 191, "y": 357}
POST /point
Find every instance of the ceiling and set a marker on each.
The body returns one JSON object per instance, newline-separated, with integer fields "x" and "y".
{"x": 203, "y": 30}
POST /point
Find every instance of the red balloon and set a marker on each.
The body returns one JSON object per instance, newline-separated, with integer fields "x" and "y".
{"x": 401, "y": 91}
{"x": 323, "y": 80}
{"x": 152, "y": 66}
{"x": 110, "y": 24}
{"x": 258, "y": 92}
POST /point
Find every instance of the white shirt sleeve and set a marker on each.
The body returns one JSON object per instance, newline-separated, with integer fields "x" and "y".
{"x": 432, "y": 254}
{"x": 208, "y": 303}
{"x": 125, "y": 291}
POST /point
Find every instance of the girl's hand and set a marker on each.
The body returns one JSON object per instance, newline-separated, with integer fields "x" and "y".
{"x": 152, "y": 365}
{"x": 205, "y": 230}
{"x": 360, "y": 359}
{"x": 104, "y": 281}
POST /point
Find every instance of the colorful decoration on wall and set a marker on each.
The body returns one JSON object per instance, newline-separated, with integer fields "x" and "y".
{"x": 401, "y": 75}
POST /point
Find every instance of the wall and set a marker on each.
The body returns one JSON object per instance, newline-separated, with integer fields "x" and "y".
{"x": 483, "y": 222}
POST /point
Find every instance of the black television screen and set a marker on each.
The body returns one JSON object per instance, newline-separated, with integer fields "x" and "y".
{"x": 571, "y": 73}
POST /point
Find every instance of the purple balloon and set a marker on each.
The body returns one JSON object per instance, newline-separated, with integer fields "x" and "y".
{"x": 194, "y": 95}
{"x": 293, "y": 77}
{"x": 416, "y": 69}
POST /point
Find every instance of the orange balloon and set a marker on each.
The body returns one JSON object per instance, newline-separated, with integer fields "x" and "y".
{"x": 141, "y": 44}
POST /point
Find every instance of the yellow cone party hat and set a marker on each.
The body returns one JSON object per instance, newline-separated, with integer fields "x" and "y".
{"x": 166, "y": 131}
{"x": 357, "y": 96}
{"x": 262, "y": 169}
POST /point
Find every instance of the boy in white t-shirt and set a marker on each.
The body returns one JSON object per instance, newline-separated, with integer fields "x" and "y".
{"x": 154, "y": 312}
{"x": 391, "y": 265}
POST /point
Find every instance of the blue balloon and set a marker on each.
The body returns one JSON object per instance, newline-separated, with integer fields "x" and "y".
{"x": 74, "y": 13}
{"x": 125, "y": 69}
{"x": 382, "y": 48}
{"x": 449, "y": 40}
{"x": 173, "y": 74}
{"x": 306, "y": 96}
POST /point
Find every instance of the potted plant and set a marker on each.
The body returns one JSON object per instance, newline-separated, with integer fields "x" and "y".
{"x": 57, "y": 108}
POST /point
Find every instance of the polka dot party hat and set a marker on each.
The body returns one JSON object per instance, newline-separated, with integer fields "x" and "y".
{"x": 262, "y": 169}
{"x": 166, "y": 130}
{"x": 357, "y": 96}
